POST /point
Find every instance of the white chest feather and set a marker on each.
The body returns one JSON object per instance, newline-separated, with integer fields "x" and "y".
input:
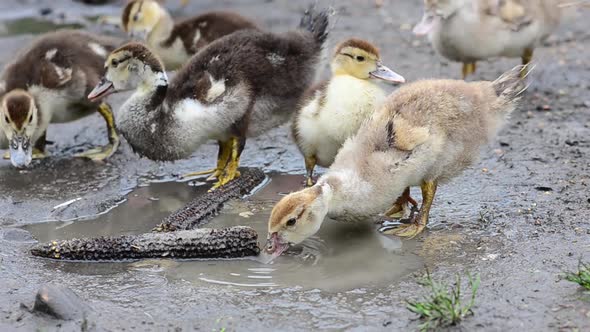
{"x": 324, "y": 125}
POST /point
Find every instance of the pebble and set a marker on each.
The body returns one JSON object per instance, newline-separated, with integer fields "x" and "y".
{"x": 59, "y": 302}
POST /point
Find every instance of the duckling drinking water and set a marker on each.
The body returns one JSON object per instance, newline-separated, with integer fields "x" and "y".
{"x": 175, "y": 43}
{"x": 470, "y": 31}
{"x": 333, "y": 110}
{"x": 425, "y": 134}
{"x": 241, "y": 85}
{"x": 48, "y": 83}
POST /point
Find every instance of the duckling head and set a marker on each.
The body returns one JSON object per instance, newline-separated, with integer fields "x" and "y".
{"x": 129, "y": 67}
{"x": 140, "y": 17}
{"x": 436, "y": 10}
{"x": 296, "y": 217}
{"x": 19, "y": 123}
{"x": 360, "y": 59}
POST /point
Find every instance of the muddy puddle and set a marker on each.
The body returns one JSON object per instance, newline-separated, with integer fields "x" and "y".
{"x": 341, "y": 257}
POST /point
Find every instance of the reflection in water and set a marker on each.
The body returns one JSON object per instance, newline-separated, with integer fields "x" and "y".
{"x": 341, "y": 256}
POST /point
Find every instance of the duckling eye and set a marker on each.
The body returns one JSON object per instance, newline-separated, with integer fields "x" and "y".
{"x": 6, "y": 119}
{"x": 135, "y": 18}
{"x": 31, "y": 117}
{"x": 360, "y": 58}
{"x": 115, "y": 63}
{"x": 291, "y": 221}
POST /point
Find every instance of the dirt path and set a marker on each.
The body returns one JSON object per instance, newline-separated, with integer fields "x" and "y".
{"x": 518, "y": 218}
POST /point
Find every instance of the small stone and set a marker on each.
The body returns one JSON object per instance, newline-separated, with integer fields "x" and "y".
{"x": 45, "y": 11}
{"x": 59, "y": 302}
{"x": 246, "y": 214}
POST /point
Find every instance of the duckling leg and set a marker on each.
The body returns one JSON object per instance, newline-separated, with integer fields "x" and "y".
{"x": 104, "y": 152}
{"x": 310, "y": 162}
{"x": 231, "y": 169}
{"x": 468, "y": 68}
{"x": 398, "y": 210}
{"x": 222, "y": 160}
{"x": 527, "y": 57}
{"x": 418, "y": 221}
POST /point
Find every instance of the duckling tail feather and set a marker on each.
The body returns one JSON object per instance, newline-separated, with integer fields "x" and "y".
{"x": 316, "y": 23}
{"x": 512, "y": 84}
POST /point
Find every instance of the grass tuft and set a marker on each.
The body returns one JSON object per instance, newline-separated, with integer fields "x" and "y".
{"x": 582, "y": 277}
{"x": 444, "y": 306}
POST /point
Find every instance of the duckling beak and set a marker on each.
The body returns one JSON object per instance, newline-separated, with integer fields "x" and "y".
{"x": 275, "y": 246}
{"x": 21, "y": 152}
{"x": 386, "y": 74}
{"x": 102, "y": 89}
{"x": 425, "y": 25}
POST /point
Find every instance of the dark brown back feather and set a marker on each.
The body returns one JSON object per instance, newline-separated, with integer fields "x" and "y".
{"x": 212, "y": 26}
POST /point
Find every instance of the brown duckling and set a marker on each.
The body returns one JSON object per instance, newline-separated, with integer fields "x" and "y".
{"x": 241, "y": 85}
{"x": 48, "y": 83}
{"x": 469, "y": 31}
{"x": 425, "y": 134}
{"x": 332, "y": 111}
{"x": 175, "y": 43}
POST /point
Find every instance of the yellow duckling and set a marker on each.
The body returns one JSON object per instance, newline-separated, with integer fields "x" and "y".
{"x": 332, "y": 111}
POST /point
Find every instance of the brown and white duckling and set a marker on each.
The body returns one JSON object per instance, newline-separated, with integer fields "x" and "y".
{"x": 425, "y": 134}
{"x": 333, "y": 110}
{"x": 240, "y": 85}
{"x": 148, "y": 21}
{"x": 468, "y": 31}
{"x": 48, "y": 83}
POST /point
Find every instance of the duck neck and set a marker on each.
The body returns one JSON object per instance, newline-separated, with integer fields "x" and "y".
{"x": 346, "y": 190}
{"x": 161, "y": 30}
{"x": 146, "y": 121}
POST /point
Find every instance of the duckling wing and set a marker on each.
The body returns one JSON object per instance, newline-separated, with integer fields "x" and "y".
{"x": 271, "y": 65}
{"x": 197, "y": 32}
{"x": 58, "y": 59}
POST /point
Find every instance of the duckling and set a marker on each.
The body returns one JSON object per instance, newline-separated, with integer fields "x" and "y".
{"x": 147, "y": 20}
{"x": 333, "y": 110}
{"x": 468, "y": 31}
{"x": 425, "y": 134}
{"x": 48, "y": 83}
{"x": 240, "y": 85}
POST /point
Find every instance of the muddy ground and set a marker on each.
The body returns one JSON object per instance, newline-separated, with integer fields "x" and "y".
{"x": 519, "y": 218}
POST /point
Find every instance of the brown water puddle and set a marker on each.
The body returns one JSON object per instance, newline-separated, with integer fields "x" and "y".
{"x": 342, "y": 256}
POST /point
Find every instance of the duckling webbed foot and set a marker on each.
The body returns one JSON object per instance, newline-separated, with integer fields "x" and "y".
{"x": 222, "y": 161}
{"x": 399, "y": 209}
{"x": 104, "y": 152}
{"x": 414, "y": 225}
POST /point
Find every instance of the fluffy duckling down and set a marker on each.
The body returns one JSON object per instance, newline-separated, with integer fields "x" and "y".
{"x": 425, "y": 134}
{"x": 175, "y": 43}
{"x": 241, "y": 85}
{"x": 332, "y": 111}
{"x": 48, "y": 83}
{"x": 469, "y": 31}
